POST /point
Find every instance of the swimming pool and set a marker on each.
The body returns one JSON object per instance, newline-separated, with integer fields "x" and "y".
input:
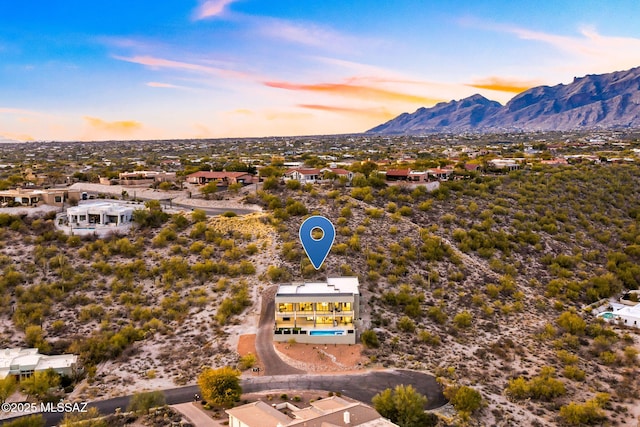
{"x": 607, "y": 315}
{"x": 326, "y": 333}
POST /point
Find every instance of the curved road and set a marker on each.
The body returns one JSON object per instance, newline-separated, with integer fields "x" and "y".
{"x": 362, "y": 387}
{"x": 273, "y": 365}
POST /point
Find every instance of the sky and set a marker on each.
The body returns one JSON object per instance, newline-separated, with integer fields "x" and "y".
{"x": 77, "y": 70}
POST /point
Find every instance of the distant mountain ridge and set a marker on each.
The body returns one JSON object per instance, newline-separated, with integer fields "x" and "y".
{"x": 600, "y": 101}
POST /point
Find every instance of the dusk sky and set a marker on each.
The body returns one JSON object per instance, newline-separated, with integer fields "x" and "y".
{"x": 138, "y": 69}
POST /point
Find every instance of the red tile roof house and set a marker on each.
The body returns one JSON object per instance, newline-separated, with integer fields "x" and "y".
{"x": 339, "y": 172}
{"x": 304, "y": 175}
{"x": 223, "y": 178}
{"x": 398, "y": 174}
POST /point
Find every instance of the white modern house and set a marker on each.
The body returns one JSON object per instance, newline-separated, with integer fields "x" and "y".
{"x": 99, "y": 218}
{"x": 23, "y": 362}
{"x": 321, "y": 313}
{"x": 624, "y": 315}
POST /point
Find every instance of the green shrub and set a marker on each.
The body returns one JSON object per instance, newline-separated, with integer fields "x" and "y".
{"x": 369, "y": 339}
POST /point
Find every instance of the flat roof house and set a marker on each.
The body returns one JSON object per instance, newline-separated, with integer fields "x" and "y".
{"x": 23, "y": 362}
{"x": 98, "y": 218}
{"x": 145, "y": 178}
{"x": 30, "y": 197}
{"x": 330, "y": 412}
{"x": 322, "y": 313}
{"x": 625, "y": 315}
{"x": 224, "y": 179}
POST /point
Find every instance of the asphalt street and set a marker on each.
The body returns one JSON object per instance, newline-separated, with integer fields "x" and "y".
{"x": 360, "y": 386}
{"x": 272, "y": 363}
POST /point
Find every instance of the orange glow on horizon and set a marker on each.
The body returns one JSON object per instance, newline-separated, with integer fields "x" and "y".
{"x": 356, "y": 91}
{"x": 504, "y": 85}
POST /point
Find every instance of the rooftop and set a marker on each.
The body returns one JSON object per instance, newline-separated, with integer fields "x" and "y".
{"x": 332, "y": 411}
{"x": 334, "y": 285}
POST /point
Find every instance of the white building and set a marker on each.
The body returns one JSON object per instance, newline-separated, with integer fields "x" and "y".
{"x": 22, "y": 363}
{"x": 95, "y": 218}
{"x": 303, "y": 175}
{"x": 505, "y": 164}
{"x": 623, "y": 314}
{"x": 321, "y": 313}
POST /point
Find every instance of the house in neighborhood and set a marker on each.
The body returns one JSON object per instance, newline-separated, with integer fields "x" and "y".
{"x": 303, "y": 175}
{"x": 171, "y": 163}
{"x": 24, "y": 197}
{"x": 23, "y": 362}
{"x": 322, "y": 312}
{"x": 397, "y": 174}
{"x": 471, "y": 167}
{"x": 418, "y": 176}
{"x": 624, "y": 315}
{"x": 338, "y": 172}
{"x": 441, "y": 174}
{"x": 99, "y": 218}
{"x": 504, "y": 164}
{"x": 224, "y": 179}
{"x": 145, "y": 178}
{"x": 329, "y": 412}
{"x": 558, "y": 161}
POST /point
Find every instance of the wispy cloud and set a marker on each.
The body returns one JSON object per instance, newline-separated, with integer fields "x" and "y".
{"x": 165, "y": 85}
{"x": 118, "y": 127}
{"x": 589, "y": 50}
{"x": 159, "y": 63}
{"x": 313, "y": 35}
{"x": 210, "y": 8}
{"x": 19, "y": 111}
{"x": 362, "y": 92}
{"x": 383, "y": 113}
{"x": 503, "y": 84}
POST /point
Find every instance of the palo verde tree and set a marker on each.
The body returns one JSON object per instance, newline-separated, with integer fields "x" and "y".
{"x": 220, "y": 386}
{"x": 402, "y": 405}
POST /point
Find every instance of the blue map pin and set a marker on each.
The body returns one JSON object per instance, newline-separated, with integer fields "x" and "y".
{"x": 317, "y": 249}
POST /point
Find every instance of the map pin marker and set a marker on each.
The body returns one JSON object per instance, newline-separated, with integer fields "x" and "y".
{"x": 317, "y": 249}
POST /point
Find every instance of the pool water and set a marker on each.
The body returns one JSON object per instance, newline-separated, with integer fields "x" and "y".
{"x": 326, "y": 333}
{"x": 608, "y": 315}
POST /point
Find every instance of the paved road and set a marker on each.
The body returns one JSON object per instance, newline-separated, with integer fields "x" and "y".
{"x": 361, "y": 386}
{"x": 273, "y": 365}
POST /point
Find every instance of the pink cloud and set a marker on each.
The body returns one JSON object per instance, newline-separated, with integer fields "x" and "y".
{"x": 211, "y": 8}
{"x": 158, "y": 63}
{"x": 164, "y": 85}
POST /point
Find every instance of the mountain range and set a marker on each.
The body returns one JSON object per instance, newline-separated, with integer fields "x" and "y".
{"x": 602, "y": 101}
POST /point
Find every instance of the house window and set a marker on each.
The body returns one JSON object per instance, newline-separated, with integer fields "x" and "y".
{"x": 285, "y": 307}
{"x": 306, "y": 306}
{"x": 83, "y": 217}
{"x": 58, "y": 199}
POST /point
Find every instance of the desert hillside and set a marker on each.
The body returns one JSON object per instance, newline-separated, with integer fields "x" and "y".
{"x": 484, "y": 282}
